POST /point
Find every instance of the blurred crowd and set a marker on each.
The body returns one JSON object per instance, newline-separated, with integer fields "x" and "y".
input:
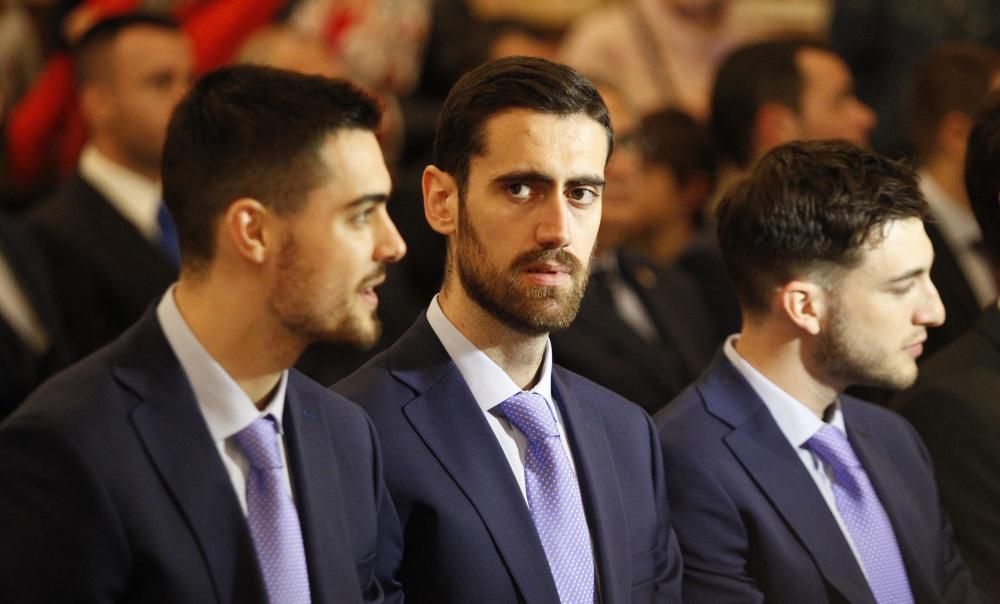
{"x": 698, "y": 90}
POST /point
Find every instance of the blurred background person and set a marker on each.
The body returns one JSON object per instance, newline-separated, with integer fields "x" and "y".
{"x": 954, "y": 405}
{"x": 948, "y": 88}
{"x": 772, "y": 92}
{"x": 643, "y": 330}
{"x": 108, "y": 238}
{"x": 677, "y": 172}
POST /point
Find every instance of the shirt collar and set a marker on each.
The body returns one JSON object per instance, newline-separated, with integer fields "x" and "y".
{"x": 136, "y": 197}
{"x": 794, "y": 419}
{"x": 225, "y": 406}
{"x": 489, "y": 384}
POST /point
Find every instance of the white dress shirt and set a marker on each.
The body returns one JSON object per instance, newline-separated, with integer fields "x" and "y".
{"x": 225, "y": 406}
{"x": 490, "y": 386}
{"x": 798, "y": 424}
{"x": 136, "y": 197}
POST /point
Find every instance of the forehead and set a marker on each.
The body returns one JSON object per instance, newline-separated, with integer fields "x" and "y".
{"x": 558, "y": 145}
{"x": 354, "y": 164}
{"x": 145, "y": 47}
{"x": 822, "y": 72}
{"x": 904, "y": 248}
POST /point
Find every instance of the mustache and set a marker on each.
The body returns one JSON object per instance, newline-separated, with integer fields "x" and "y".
{"x": 559, "y": 256}
{"x": 374, "y": 277}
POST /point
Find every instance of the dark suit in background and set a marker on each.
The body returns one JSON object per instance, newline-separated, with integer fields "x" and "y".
{"x": 112, "y": 489}
{"x": 954, "y": 405}
{"x": 468, "y": 533}
{"x": 602, "y": 346}
{"x": 754, "y": 527}
{"x": 105, "y": 272}
{"x": 23, "y": 368}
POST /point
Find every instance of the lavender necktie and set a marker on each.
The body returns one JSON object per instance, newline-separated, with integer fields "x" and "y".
{"x": 274, "y": 523}
{"x": 554, "y": 498}
{"x": 864, "y": 517}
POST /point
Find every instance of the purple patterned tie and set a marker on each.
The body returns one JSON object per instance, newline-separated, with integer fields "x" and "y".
{"x": 864, "y": 517}
{"x": 274, "y": 523}
{"x": 554, "y": 498}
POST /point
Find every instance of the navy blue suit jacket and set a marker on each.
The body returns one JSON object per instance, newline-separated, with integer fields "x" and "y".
{"x": 468, "y": 531}
{"x": 753, "y": 526}
{"x": 112, "y": 489}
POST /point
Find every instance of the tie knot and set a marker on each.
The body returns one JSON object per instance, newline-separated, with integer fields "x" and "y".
{"x": 259, "y": 442}
{"x": 531, "y": 415}
{"x": 832, "y": 446}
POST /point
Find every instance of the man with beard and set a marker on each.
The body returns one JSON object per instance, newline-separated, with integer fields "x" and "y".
{"x": 514, "y": 479}
{"x": 185, "y": 462}
{"x": 783, "y": 488}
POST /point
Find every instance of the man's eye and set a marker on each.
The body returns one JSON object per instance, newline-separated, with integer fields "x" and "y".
{"x": 583, "y": 195}
{"x": 363, "y": 217}
{"x": 903, "y": 288}
{"x": 519, "y": 190}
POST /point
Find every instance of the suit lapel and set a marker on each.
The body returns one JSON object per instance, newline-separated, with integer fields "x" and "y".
{"x": 894, "y": 493}
{"x": 598, "y": 486}
{"x": 181, "y": 449}
{"x": 449, "y": 421}
{"x": 772, "y": 463}
{"x": 316, "y": 478}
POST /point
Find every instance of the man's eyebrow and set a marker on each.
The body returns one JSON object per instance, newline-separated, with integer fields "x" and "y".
{"x": 530, "y": 176}
{"x": 908, "y": 275}
{"x": 586, "y": 181}
{"x": 368, "y": 198}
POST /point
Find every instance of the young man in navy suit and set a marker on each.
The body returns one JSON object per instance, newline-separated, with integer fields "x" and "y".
{"x": 516, "y": 480}
{"x": 185, "y": 462}
{"x": 783, "y": 488}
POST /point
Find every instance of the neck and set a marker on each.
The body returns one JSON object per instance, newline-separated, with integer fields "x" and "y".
{"x": 950, "y": 176}
{"x": 114, "y": 153}
{"x": 518, "y": 355}
{"x": 236, "y": 333}
{"x": 783, "y": 359}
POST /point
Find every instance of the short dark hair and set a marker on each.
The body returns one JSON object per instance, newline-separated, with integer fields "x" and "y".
{"x": 500, "y": 85}
{"x": 955, "y": 76}
{"x": 809, "y": 206}
{"x": 251, "y": 131}
{"x": 673, "y": 139}
{"x": 982, "y": 174}
{"x": 89, "y": 52}
{"x": 751, "y": 76}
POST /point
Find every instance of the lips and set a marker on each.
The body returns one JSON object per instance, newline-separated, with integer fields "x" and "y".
{"x": 916, "y": 348}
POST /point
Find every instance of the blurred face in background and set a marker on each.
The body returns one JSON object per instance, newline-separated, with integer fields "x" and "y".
{"x": 828, "y": 107}
{"x": 128, "y": 103}
{"x": 623, "y": 203}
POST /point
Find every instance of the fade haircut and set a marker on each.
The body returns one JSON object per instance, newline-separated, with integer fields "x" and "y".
{"x": 955, "y": 76}
{"x": 501, "y": 85}
{"x": 810, "y": 209}
{"x": 252, "y": 131}
{"x": 982, "y": 175}
{"x": 750, "y": 77}
{"x": 90, "y": 60}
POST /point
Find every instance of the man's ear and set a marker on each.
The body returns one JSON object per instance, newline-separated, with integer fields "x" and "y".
{"x": 440, "y": 200}
{"x": 95, "y": 104}
{"x": 805, "y": 303}
{"x": 775, "y": 124}
{"x": 248, "y": 229}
